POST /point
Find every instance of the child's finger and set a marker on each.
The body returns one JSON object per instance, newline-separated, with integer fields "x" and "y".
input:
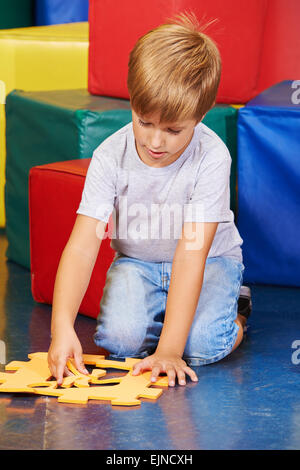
{"x": 79, "y": 364}
{"x": 137, "y": 368}
{"x": 192, "y": 374}
{"x": 52, "y": 368}
{"x": 60, "y": 371}
{"x": 67, "y": 372}
{"x": 155, "y": 373}
{"x": 53, "y": 371}
{"x": 181, "y": 377}
{"x": 171, "y": 376}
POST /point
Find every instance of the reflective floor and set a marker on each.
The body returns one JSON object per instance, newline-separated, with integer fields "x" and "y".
{"x": 250, "y": 400}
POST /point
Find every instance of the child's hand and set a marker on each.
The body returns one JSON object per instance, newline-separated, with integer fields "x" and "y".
{"x": 173, "y": 366}
{"x": 63, "y": 346}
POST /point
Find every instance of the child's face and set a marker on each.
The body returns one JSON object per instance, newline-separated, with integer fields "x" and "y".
{"x": 160, "y": 144}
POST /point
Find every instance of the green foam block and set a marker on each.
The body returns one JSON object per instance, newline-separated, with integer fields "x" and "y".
{"x": 16, "y": 13}
{"x": 47, "y": 127}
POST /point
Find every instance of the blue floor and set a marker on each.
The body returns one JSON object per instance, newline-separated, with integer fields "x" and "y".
{"x": 250, "y": 400}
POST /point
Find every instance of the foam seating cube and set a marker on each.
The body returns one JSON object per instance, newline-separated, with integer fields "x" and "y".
{"x": 60, "y": 11}
{"x": 38, "y": 58}
{"x": 116, "y": 26}
{"x": 55, "y": 192}
{"x": 16, "y": 13}
{"x": 51, "y": 128}
{"x": 222, "y": 119}
{"x": 268, "y": 179}
{"x": 46, "y": 127}
{"x": 280, "y": 52}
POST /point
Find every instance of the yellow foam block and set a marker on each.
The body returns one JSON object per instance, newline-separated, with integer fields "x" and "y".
{"x": 237, "y": 106}
{"x": 34, "y": 377}
{"x": 40, "y": 58}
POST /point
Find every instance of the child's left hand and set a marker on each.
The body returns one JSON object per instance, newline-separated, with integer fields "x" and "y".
{"x": 173, "y": 366}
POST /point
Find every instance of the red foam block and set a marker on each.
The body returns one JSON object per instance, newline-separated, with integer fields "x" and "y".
{"x": 281, "y": 46}
{"x": 55, "y": 191}
{"x": 116, "y": 26}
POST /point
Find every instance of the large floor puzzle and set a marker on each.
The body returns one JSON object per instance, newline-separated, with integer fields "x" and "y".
{"x": 34, "y": 377}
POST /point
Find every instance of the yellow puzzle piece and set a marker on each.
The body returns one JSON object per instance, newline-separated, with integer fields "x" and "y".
{"x": 34, "y": 377}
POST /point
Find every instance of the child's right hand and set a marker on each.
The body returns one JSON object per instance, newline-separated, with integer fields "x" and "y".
{"x": 65, "y": 345}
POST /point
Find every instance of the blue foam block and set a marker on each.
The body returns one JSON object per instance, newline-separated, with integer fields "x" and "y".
{"x": 285, "y": 94}
{"x": 61, "y": 11}
{"x": 269, "y": 187}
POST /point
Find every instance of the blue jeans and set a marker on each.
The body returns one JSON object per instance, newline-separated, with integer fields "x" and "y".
{"x": 134, "y": 302}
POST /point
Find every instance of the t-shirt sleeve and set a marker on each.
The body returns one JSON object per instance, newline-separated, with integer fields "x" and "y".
{"x": 98, "y": 194}
{"x": 210, "y": 200}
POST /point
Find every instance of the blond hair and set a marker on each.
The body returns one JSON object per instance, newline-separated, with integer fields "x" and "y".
{"x": 174, "y": 70}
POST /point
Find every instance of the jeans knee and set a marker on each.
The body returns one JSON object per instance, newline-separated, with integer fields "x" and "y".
{"x": 212, "y": 342}
{"x": 120, "y": 342}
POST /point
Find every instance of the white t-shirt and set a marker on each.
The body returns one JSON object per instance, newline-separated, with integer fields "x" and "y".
{"x": 149, "y": 205}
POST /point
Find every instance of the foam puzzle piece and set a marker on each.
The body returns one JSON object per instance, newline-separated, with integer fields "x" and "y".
{"x": 34, "y": 377}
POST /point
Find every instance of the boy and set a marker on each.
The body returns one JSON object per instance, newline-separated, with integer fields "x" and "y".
{"x": 172, "y": 291}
